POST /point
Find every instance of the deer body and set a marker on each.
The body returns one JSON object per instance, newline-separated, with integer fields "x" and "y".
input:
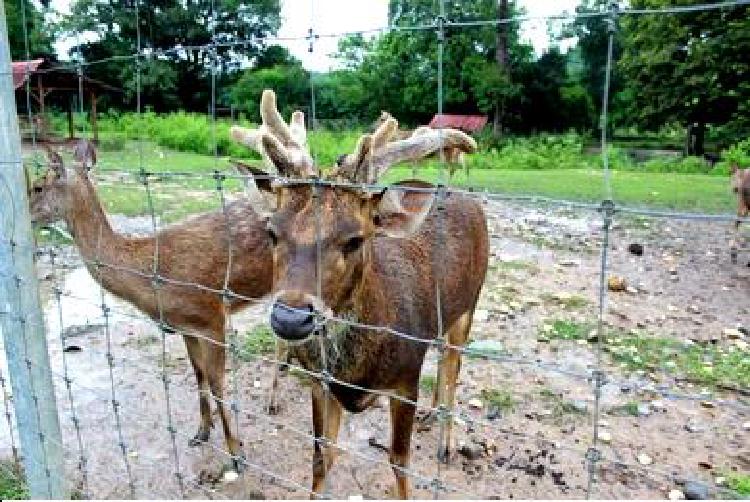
{"x": 740, "y": 182}
{"x": 195, "y": 251}
{"x": 377, "y": 256}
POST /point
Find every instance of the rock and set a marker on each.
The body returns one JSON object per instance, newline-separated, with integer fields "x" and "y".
{"x": 635, "y": 249}
{"x": 676, "y": 495}
{"x": 481, "y": 315}
{"x": 746, "y": 426}
{"x": 475, "y": 403}
{"x": 230, "y": 476}
{"x": 578, "y": 406}
{"x": 693, "y": 309}
{"x": 658, "y": 405}
{"x": 741, "y": 344}
{"x": 631, "y": 290}
{"x": 720, "y": 481}
{"x": 570, "y": 263}
{"x": 644, "y": 410}
{"x": 732, "y": 334}
{"x": 472, "y": 451}
{"x": 694, "y": 428}
{"x": 605, "y": 437}
{"x": 644, "y": 459}
{"x": 695, "y": 491}
{"x": 616, "y": 283}
{"x": 707, "y": 404}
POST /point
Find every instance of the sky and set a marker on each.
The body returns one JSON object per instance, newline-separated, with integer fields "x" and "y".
{"x": 336, "y": 16}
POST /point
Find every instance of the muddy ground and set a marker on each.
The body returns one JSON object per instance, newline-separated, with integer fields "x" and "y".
{"x": 545, "y": 266}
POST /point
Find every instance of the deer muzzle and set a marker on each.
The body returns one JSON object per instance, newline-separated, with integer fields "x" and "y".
{"x": 293, "y": 324}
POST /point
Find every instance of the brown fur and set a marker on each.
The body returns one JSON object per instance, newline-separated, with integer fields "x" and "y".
{"x": 383, "y": 257}
{"x": 740, "y": 182}
{"x": 194, "y": 251}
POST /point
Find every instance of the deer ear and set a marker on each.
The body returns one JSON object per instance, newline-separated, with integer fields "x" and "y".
{"x": 258, "y": 189}
{"x": 399, "y": 212}
{"x": 55, "y": 162}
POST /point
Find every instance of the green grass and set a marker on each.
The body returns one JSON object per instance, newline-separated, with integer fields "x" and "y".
{"x": 260, "y": 340}
{"x": 739, "y": 482}
{"x": 628, "y": 409}
{"x": 12, "y": 484}
{"x": 500, "y": 400}
{"x": 636, "y": 351}
{"x": 427, "y": 383}
{"x": 567, "y": 301}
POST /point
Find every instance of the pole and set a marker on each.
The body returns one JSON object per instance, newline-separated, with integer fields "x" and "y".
{"x": 21, "y": 321}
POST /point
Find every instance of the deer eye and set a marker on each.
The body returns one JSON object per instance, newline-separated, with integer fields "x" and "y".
{"x": 353, "y": 244}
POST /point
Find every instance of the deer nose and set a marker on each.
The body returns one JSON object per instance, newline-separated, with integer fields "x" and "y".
{"x": 292, "y": 323}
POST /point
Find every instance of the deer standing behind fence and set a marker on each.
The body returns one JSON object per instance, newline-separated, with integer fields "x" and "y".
{"x": 740, "y": 182}
{"x": 382, "y": 255}
{"x": 193, "y": 252}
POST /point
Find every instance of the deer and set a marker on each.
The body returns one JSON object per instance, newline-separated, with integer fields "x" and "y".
{"x": 195, "y": 251}
{"x": 740, "y": 183}
{"x": 454, "y": 157}
{"x": 383, "y": 254}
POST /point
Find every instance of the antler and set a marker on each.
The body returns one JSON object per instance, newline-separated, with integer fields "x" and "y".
{"x": 375, "y": 154}
{"x": 283, "y": 147}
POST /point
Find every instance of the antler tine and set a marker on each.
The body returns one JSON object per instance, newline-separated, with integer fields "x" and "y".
{"x": 418, "y": 146}
{"x": 355, "y": 167}
{"x": 283, "y": 147}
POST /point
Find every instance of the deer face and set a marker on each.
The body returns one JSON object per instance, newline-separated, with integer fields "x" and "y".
{"x": 47, "y": 196}
{"x": 738, "y": 177}
{"x": 320, "y": 231}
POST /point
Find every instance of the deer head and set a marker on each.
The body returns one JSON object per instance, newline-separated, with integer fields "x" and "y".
{"x": 48, "y": 195}
{"x": 336, "y": 216}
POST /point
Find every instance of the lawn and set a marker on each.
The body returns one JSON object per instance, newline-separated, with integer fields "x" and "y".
{"x": 176, "y": 197}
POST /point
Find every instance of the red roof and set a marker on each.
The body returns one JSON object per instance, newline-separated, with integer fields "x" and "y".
{"x": 21, "y": 69}
{"x": 469, "y": 123}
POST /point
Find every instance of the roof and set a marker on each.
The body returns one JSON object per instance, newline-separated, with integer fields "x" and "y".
{"x": 55, "y": 77}
{"x": 21, "y": 69}
{"x": 469, "y": 123}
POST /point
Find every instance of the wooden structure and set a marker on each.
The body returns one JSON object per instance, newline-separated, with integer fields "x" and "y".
{"x": 44, "y": 78}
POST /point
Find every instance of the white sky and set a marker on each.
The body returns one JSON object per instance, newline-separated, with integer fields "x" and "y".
{"x": 334, "y": 16}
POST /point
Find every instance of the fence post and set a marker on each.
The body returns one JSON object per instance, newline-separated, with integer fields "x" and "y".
{"x": 23, "y": 331}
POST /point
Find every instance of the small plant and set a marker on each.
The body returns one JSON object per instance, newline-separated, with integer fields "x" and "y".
{"x": 628, "y": 409}
{"x": 739, "y": 482}
{"x": 12, "y": 483}
{"x": 499, "y": 400}
{"x": 427, "y": 383}
{"x": 566, "y": 330}
{"x": 260, "y": 340}
{"x": 566, "y": 300}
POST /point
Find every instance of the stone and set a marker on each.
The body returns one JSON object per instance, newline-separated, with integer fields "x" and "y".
{"x": 230, "y": 476}
{"x": 579, "y": 406}
{"x": 732, "y": 334}
{"x": 741, "y": 344}
{"x": 631, "y": 290}
{"x": 707, "y": 404}
{"x": 570, "y": 263}
{"x": 694, "y": 427}
{"x": 481, "y": 315}
{"x": 676, "y": 495}
{"x": 693, "y": 309}
{"x": 472, "y": 451}
{"x": 635, "y": 249}
{"x": 616, "y": 283}
{"x": 695, "y": 491}
{"x": 746, "y": 426}
{"x": 475, "y": 403}
{"x": 644, "y": 459}
{"x": 605, "y": 437}
{"x": 658, "y": 405}
{"x": 644, "y": 410}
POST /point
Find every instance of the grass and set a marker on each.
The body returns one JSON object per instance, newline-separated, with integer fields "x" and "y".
{"x": 12, "y": 484}
{"x": 427, "y": 383}
{"x": 628, "y": 409}
{"x": 739, "y": 482}
{"x": 260, "y": 340}
{"x": 500, "y": 400}
{"x": 641, "y": 351}
{"x": 568, "y": 301}
{"x": 558, "y": 404}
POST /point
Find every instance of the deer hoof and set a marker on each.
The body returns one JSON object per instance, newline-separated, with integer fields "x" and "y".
{"x": 200, "y": 438}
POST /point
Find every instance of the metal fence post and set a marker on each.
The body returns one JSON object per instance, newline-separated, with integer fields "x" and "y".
{"x": 23, "y": 331}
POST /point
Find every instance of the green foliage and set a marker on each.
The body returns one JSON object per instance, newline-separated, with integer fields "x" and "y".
{"x": 12, "y": 483}
{"x": 260, "y": 340}
{"x": 499, "y": 400}
{"x": 290, "y": 82}
{"x": 427, "y": 383}
{"x": 739, "y": 482}
{"x": 40, "y": 35}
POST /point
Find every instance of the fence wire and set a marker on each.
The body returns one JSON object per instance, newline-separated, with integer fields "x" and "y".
{"x": 126, "y": 420}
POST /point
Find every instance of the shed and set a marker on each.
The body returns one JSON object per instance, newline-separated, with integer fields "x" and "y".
{"x": 44, "y": 78}
{"x": 468, "y": 123}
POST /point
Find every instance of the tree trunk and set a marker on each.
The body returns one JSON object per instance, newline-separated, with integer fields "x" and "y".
{"x": 501, "y": 57}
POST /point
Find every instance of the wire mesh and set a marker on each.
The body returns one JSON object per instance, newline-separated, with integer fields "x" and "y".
{"x": 593, "y": 457}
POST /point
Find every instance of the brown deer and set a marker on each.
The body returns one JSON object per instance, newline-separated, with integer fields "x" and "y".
{"x": 454, "y": 157}
{"x": 740, "y": 182}
{"x": 384, "y": 254}
{"x": 195, "y": 251}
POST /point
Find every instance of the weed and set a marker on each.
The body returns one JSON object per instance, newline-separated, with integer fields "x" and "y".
{"x": 628, "y": 409}
{"x": 565, "y": 330}
{"x": 260, "y": 340}
{"x": 500, "y": 400}
{"x": 566, "y": 300}
{"x": 427, "y": 383}
{"x": 739, "y": 482}
{"x": 12, "y": 483}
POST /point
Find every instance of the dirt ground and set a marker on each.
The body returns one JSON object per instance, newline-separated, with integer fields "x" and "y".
{"x": 542, "y": 257}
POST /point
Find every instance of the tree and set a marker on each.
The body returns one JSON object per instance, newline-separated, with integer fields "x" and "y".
{"x": 175, "y": 34}
{"x": 290, "y": 82}
{"x": 690, "y": 68}
{"x": 39, "y": 35}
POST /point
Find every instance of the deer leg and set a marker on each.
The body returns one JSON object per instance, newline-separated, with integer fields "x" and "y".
{"x": 402, "y": 422}
{"x": 326, "y": 426}
{"x": 282, "y": 356}
{"x": 445, "y": 390}
{"x": 742, "y": 211}
{"x": 196, "y": 354}
{"x": 216, "y": 382}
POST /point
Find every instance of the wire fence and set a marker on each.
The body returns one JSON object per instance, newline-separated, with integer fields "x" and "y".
{"x": 107, "y": 445}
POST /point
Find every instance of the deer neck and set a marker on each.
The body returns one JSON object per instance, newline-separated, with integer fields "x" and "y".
{"x": 91, "y": 230}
